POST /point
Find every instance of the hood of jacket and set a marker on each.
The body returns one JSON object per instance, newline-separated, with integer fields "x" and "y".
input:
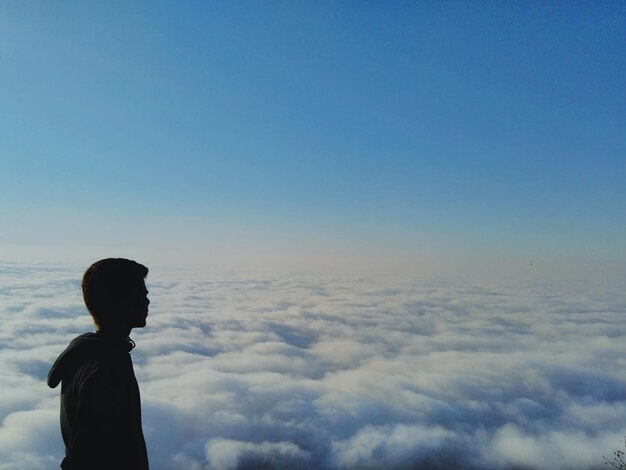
{"x": 84, "y": 348}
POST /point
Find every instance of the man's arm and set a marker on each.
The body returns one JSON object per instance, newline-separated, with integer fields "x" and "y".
{"x": 99, "y": 425}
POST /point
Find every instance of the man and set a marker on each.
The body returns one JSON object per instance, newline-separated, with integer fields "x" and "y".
{"x": 100, "y": 404}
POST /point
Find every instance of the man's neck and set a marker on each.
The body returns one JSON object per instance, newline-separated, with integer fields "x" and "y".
{"x": 114, "y": 332}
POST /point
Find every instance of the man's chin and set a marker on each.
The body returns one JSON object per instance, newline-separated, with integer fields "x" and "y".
{"x": 140, "y": 323}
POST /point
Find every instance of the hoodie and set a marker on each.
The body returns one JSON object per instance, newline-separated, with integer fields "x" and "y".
{"x": 100, "y": 404}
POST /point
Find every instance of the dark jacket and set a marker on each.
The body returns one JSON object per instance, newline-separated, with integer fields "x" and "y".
{"x": 100, "y": 405}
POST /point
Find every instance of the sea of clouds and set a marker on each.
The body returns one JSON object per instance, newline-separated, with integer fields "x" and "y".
{"x": 249, "y": 370}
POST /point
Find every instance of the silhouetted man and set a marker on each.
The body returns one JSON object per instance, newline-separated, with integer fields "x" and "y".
{"x": 100, "y": 404}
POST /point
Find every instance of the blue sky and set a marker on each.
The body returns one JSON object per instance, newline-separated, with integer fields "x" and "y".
{"x": 422, "y": 127}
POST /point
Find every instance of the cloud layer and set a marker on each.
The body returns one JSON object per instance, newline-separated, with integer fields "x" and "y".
{"x": 248, "y": 370}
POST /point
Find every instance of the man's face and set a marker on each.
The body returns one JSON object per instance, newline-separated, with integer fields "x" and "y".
{"x": 137, "y": 307}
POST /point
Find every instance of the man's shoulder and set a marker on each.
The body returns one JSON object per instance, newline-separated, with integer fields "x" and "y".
{"x": 102, "y": 371}
{"x": 94, "y": 369}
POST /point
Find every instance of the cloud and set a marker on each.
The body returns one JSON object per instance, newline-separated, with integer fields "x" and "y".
{"x": 227, "y": 454}
{"x": 389, "y": 446}
{"x": 301, "y": 370}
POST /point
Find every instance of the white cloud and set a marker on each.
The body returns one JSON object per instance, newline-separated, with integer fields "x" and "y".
{"x": 389, "y": 446}
{"x": 228, "y": 454}
{"x": 313, "y": 371}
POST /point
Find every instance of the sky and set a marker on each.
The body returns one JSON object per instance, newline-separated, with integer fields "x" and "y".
{"x": 436, "y": 131}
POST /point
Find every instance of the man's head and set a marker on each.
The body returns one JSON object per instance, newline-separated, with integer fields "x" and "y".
{"x": 115, "y": 293}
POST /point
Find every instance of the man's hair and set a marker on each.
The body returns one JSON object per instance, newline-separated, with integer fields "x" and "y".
{"x": 107, "y": 283}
